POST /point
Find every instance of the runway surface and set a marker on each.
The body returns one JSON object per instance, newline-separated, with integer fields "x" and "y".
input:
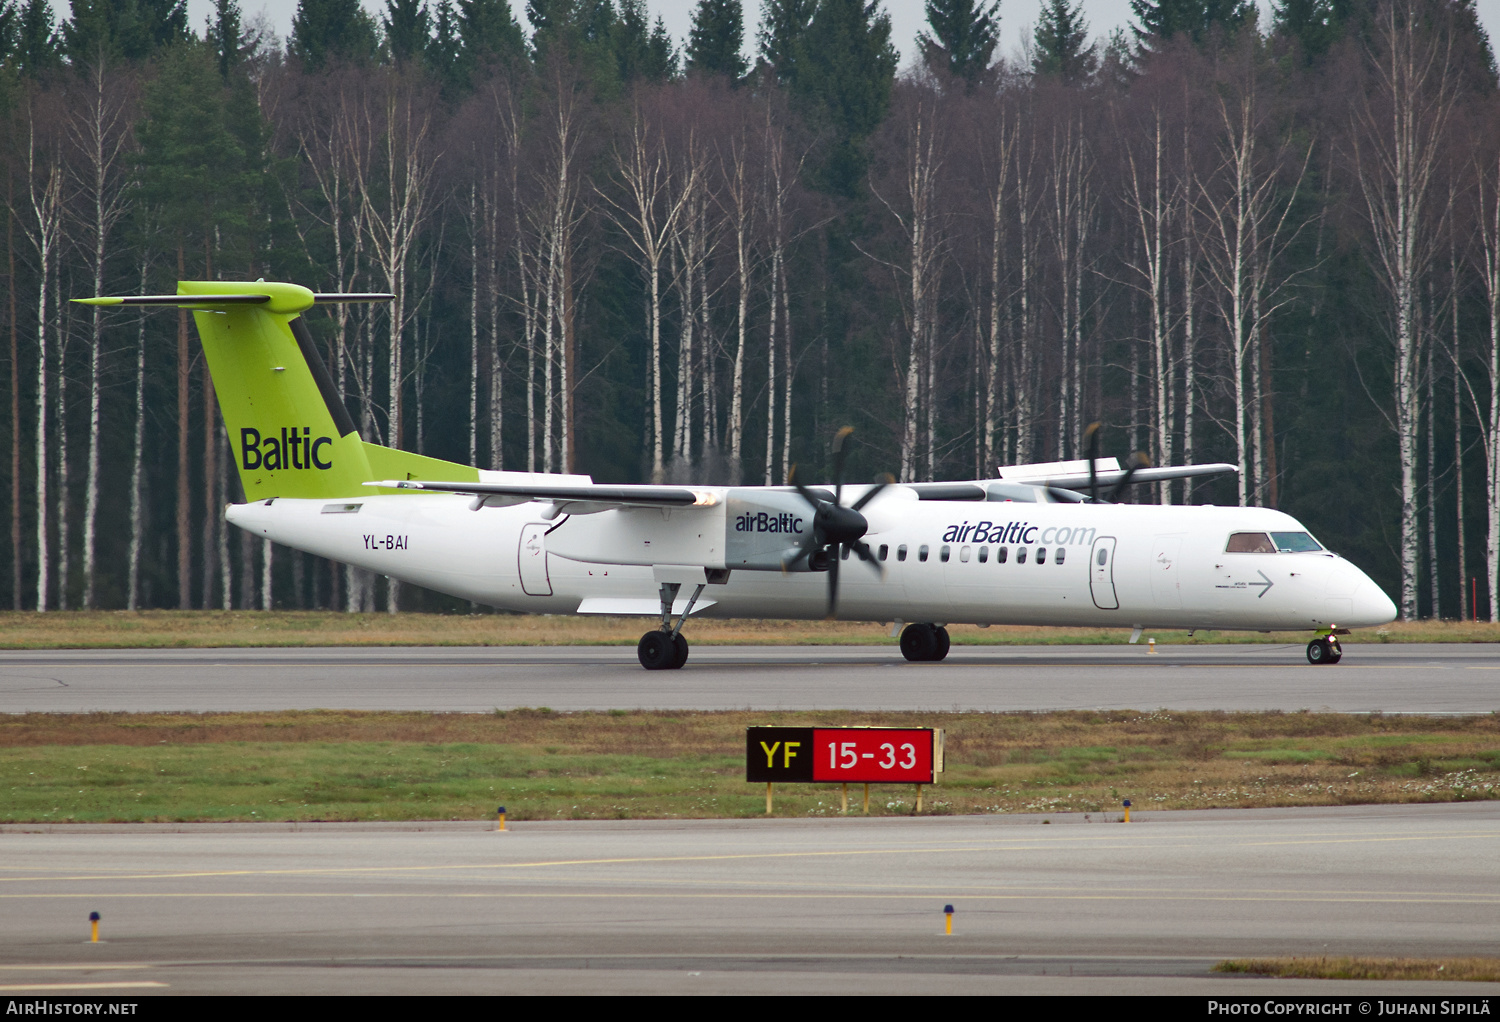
{"x": 783, "y": 906}
{"x": 1405, "y": 678}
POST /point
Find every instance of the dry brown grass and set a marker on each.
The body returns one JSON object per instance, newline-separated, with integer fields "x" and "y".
{"x": 1477, "y": 970}
{"x": 188, "y": 629}
{"x": 349, "y": 765}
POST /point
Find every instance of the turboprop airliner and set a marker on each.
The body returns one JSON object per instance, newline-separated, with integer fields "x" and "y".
{"x": 1035, "y": 545}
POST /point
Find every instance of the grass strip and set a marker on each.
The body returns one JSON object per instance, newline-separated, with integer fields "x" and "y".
{"x": 156, "y": 629}
{"x": 1477, "y": 970}
{"x": 339, "y": 765}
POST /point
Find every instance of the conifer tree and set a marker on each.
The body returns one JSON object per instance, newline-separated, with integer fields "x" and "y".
{"x": 1062, "y": 48}
{"x": 225, "y": 36}
{"x": 38, "y": 48}
{"x": 783, "y": 23}
{"x": 10, "y": 17}
{"x": 963, "y": 37}
{"x": 642, "y": 52}
{"x": 132, "y": 29}
{"x": 408, "y": 29}
{"x": 443, "y": 51}
{"x": 325, "y": 31}
{"x": 717, "y": 35}
{"x": 488, "y": 35}
{"x": 846, "y": 67}
{"x": 1160, "y": 20}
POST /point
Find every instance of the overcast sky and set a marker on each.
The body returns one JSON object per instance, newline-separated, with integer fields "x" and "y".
{"x": 1017, "y": 17}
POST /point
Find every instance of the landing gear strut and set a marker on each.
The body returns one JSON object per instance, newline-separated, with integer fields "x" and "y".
{"x": 665, "y": 649}
{"x": 924, "y": 642}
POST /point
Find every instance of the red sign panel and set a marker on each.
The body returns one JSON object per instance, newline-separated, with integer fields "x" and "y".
{"x": 873, "y": 755}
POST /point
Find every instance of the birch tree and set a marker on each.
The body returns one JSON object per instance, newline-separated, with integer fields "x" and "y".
{"x": 1399, "y": 135}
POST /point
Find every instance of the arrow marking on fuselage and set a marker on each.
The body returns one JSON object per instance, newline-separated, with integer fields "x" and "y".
{"x": 1267, "y": 583}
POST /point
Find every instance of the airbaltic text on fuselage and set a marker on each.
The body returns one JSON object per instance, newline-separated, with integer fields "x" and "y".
{"x": 1018, "y": 532}
{"x": 763, "y": 522}
{"x": 293, "y": 450}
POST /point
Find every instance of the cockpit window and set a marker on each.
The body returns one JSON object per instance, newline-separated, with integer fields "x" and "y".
{"x": 1295, "y": 542}
{"x": 1250, "y": 543}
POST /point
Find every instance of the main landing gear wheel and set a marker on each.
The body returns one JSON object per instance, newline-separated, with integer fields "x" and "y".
{"x": 1324, "y": 651}
{"x": 924, "y": 643}
{"x": 662, "y": 651}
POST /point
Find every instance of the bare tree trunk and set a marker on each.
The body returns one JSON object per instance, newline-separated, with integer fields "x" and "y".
{"x": 137, "y": 457}
{"x": 184, "y": 536}
{"x": 1433, "y": 576}
{"x": 101, "y": 132}
{"x": 45, "y": 232}
{"x": 15, "y": 392}
{"x": 1458, "y": 438}
{"x": 1398, "y": 146}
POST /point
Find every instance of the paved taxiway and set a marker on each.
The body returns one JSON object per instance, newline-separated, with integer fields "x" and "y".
{"x": 1410, "y": 678}
{"x": 771, "y": 906}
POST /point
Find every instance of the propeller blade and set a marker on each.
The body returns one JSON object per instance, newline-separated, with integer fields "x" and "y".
{"x": 838, "y": 462}
{"x": 833, "y": 582}
{"x": 1137, "y": 460}
{"x": 880, "y": 484}
{"x": 868, "y": 556}
{"x": 1092, "y": 432}
{"x": 803, "y": 491}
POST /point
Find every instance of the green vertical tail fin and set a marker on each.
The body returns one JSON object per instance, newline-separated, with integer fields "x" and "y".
{"x": 290, "y": 432}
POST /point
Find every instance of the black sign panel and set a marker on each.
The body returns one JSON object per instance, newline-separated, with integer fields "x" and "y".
{"x": 778, "y": 754}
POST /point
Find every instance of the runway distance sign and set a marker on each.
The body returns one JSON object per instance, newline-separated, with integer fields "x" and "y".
{"x": 872, "y": 755}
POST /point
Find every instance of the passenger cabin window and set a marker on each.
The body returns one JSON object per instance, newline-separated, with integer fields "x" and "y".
{"x": 963, "y": 554}
{"x": 943, "y": 554}
{"x": 1062, "y": 552}
{"x": 1020, "y": 555}
{"x": 1250, "y": 543}
{"x": 901, "y": 552}
{"x": 984, "y": 554}
{"x": 1295, "y": 542}
{"x": 1001, "y": 553}
{"x": 1041, "y": 555}
{"x": 884, "y": 550}
{"x": 1103, "y": 556}
{"x": 922, "y": 552}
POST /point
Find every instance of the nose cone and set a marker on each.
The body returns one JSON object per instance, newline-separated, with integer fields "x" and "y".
{"x": 1371, "y": 607}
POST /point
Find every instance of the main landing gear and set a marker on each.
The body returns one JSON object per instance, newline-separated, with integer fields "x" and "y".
{"x": 924, "y": 642}
{"x": 664, "y": 649}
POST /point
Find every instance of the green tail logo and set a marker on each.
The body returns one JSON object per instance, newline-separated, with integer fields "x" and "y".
{"x": 288, "y": 428}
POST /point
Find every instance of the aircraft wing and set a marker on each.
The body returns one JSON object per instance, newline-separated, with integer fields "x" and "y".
{"x": 1080, "y": 480}
{"x": 566, "y": 499}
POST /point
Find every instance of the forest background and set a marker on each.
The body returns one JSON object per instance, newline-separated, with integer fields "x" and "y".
{"x": 1273, "y": 244}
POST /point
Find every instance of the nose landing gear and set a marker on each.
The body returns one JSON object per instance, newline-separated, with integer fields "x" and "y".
{"x": 924, "y": 642}
{"x": 1325, "y": 648}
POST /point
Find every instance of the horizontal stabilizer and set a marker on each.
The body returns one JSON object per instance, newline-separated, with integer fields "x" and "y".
{"x": 610, "y": 496}
{"x": 231, "y": 299}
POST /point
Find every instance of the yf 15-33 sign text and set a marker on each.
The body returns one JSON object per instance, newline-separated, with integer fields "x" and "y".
{"x": 872, "y": 755}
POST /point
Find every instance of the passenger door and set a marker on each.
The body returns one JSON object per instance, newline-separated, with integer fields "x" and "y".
{"x": 532, "y": 560}
{"x": 1102, "y": 573}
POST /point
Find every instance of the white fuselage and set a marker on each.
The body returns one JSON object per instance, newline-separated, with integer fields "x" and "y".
{"x": 1108, "y": 565}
